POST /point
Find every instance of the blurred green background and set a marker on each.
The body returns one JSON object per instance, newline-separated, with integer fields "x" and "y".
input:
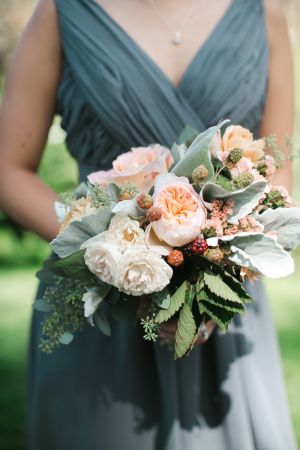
{"x": 21, "y": 253}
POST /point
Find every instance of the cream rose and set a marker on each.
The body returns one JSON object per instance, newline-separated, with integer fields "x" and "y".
{"x": 102, "y": 259}
{"x": 142, "y": 272}
{"x": 183, "y": 213}
{"x": 78, "y": 209}
{"x": 236, "y": 136}
{"x": 124, "y": 232}
{"x": 140, "y": 166}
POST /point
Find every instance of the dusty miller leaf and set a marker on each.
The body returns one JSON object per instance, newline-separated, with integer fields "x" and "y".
{"x": 198, "y": 154}
{"x": 177, "y": 152}
{"x": 261, "y": 253}
{"x": 285, "y": 222}
{"x": 77, "y": 232}
{"x": 188, "y": 135}
{"x": 245, "y": 200}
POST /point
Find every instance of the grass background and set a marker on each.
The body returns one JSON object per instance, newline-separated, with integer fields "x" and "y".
{"x": 21, "y": 253}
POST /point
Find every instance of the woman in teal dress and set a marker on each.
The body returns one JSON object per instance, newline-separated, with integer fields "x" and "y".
{"x": 77, "y": 59}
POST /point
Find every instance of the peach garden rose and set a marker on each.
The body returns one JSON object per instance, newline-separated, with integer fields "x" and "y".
{"x": 140, "y": 166}
{"x": 236, "y": 136}
{"x": 183, "y": 213}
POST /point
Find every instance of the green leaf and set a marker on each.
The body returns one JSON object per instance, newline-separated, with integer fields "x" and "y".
{"x": 235, "y": 284}
{"x": 66, "y": 338}
{"x": 221, "y": 316}
{"x": 42, "y": 306}
{"x": 185, "y": 332}
{"x": 176, "y": 302}
{"x": 113, "y": 297}
{"x": 190, "y": 295}
{"x": 162, "y": 298}
{"x": 188, "y": 135}
{"x": 245, "y": 200}
{"x": 77, "y": 232}
{"x": 102, "y": 322}
{"x": 45, "y": 275}
{"x": 74, "y": 266}
{"x": 224, "y": 182}
{"x": 200, "y": 282}
{"x": 207, "y": 296}
{"x": 217, "y": 286}
{"x": 198, "y": 154}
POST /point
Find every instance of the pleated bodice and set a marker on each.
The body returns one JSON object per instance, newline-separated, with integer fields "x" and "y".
{"x": 113, "y": 96}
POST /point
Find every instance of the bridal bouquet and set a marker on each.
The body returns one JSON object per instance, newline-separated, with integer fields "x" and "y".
{"x": 182, "y": 228}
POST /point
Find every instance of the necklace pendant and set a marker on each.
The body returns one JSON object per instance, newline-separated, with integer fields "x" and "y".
{"x": 177, "y": 39}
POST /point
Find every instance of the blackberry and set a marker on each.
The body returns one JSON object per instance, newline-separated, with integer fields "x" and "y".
{"x": 199, "y": 246}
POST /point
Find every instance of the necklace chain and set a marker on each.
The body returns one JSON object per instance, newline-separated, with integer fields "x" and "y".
{"x": 176, "y": 33}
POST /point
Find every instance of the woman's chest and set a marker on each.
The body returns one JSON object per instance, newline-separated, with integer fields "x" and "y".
{"x": 170, "y": 32}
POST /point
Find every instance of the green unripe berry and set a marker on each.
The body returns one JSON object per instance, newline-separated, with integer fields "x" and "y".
{"x": 235, "y": 155}
{"x": 243, "y": 180}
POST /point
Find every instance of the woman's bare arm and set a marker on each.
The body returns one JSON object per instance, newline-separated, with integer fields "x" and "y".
{"x": 25, "y": 117}
{"x": 279, "y": 110}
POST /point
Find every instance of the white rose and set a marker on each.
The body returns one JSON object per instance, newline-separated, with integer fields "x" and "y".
{"x": 124, "y": 232}
{"x": 142, "y": 272}
{"x": 102, "y": 258}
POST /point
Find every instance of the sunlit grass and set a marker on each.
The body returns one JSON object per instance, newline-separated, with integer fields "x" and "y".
{"x": 17, "y": 291}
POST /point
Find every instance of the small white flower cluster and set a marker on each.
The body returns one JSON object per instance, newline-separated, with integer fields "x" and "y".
{"x": 120, "y": 257}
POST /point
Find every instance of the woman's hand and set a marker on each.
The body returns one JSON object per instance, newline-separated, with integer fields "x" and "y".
{"x": 167, "y": 332}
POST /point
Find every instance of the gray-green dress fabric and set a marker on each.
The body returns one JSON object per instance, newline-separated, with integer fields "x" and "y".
{"x": 119, "y": 392}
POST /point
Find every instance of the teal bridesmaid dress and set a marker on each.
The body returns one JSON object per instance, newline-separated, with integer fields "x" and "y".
{"x": 120, "y": 392}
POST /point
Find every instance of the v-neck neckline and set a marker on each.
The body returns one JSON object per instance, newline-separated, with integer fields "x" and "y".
{"x": 175, "y": 86}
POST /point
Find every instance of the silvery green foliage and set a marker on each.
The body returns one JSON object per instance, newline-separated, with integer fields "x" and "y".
{"x": 285, "y": 222}
{"x": 245, "y": 200}
{"x": 198, "y": 154}
{"x": 129, "y": 208}
{"x": 178, "y": 151}
{"x": 81, "y": 190}
{"x": 77, "y": 232}
{"x": 261, "y": 253}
